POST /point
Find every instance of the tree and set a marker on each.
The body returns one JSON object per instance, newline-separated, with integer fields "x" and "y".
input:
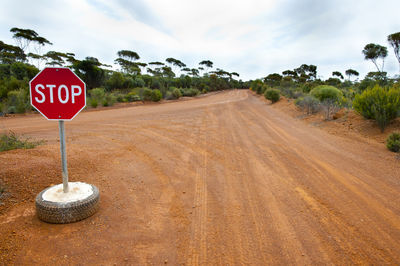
{"x": 194, "y": 72}
{"x": 377, "y": 76}
{"x": 306, "y": 72}
{"x": 127, "y": 62}
{"x": 289, "y": 74}
{"x": 91, "y": 73}
{"x": 207, "y": 63}
{"x": 374, "y": 52}
{"x": 10, "y": 53}
{"x": 394, "y": 40}
{"x": 351, "y": 72}
{"x": 235, "y": 74}
{"x": 273, "y": 79}
{"x": 337, "y": 74}
{"x": 175, "y": 63}
{"x": 24, "y": 37}
{"x": 54, "y": 58}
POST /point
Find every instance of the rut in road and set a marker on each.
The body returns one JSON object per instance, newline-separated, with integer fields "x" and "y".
{"x": 221, "y": 180}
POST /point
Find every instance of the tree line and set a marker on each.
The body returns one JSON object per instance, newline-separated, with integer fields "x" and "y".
{"x": 21, "y": 62}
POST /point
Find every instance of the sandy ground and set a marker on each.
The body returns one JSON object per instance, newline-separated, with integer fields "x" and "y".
{"x": 224, "y": 179}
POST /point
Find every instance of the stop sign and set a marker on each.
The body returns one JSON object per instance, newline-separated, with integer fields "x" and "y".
{"x": 57, "y": 93}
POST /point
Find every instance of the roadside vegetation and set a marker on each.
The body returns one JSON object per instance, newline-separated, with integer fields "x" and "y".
{"x": 393, "y": 142}
{"x": 375, "y": 97}
{"x": 134, "y": 81}
{"x": 11, "y": 141}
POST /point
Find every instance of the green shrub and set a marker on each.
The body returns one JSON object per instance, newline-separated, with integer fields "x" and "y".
{"x": 132, "y": 96}
{"x": 96, "y": 96}
{"x": 191, "y": 92}
{"x": 309, "y": 104}
{"x": 306, "y": 88}
{"x": 176, "y": 93}
{"x": 147, "y": 94}
{"x": 10, "y": 141}
{"x": 379, "y": 104}
{"x": 93, "y": 102}
{"x": 2, "y": 107}
{"x": 97, "y": 93}
{"x": 17, "y": 101}
{"x": 330, "y": 98}
{"x": 119, "y": 97}
{"x": 169, "y": 96}
{"x": 109, "y": 100}
{"x": 272, "y": 94}
{"x": 156, "y": 95}
{"x": 261, "y": 88}
{"x": 393, "y": 142}
{"x": 324, "y": 92}
{"x": 139, "y": 82}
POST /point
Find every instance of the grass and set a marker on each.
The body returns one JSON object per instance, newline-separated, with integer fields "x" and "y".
{"x": 11, "y": 141}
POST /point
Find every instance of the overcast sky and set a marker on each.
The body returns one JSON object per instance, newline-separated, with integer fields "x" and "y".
{"x": 251, "y": 37}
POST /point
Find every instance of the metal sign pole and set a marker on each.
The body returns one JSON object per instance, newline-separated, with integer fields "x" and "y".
{"x": 63, "y": 156}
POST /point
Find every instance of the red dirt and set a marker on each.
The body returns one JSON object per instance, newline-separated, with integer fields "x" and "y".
{"x": 223, "y": 179}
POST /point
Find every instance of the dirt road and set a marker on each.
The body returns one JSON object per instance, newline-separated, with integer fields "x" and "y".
{"x": 224, "y": 179}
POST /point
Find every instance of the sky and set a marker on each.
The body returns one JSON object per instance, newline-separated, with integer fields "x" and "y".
{"x": 253, "y": 38}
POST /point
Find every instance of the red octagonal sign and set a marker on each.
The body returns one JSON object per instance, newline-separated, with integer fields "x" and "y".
{"x": 57, "y": 93}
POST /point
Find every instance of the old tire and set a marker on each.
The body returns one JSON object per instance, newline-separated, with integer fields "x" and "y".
{"x": 61, "y": 213}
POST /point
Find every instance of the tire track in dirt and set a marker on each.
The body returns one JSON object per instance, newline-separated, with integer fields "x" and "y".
{"x": 197, "y": 252}
{"x": 279, "y": 226}
{"x": 312, "y": 164}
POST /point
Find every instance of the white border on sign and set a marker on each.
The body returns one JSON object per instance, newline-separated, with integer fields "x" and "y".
{"x": 84, "y": 90}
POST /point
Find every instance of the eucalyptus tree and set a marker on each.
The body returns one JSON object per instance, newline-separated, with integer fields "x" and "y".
{"x": 337, "y": 74}
{"x": 374, "y": 52}
{"x": 351, "y": 72}
{"x": 207, "y": 63}
{"x": 306, "y": 72}
{"x": 10, "y": 53}
{"x": 273, "y": 79}
{"x": 55, "y": 58}
{"x": 126, "y": 59}
{"x": 90, "y": 71}
{"x": 394, "y": 41}
{"x": 24, "y": 37}
{"x": 176, "y": 64}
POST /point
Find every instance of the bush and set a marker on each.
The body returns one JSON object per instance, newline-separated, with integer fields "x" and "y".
{"x": 169, "y": 96}
{"x": 119, "y": 97}
{"x": 330, "y": 98}
{"x": 261, "y": 88}
{"x": 272, "y": 94}
{"x": 379, "y": 104}
{"x": 324, "y": 92}
{"x": 156, "y": 95}
{"x": 109, "y": 100}
{"x": 10, "y": 141}
{"x": 147, "y": 94}
{"x": 176, "y": 93}
{"x": 191, "y": 92}
{"x": 132, "y": 96}
{"x": 393, "y": 142}
{"x": 18, "y": 101}
{"x": 97, "y": 93}
{"x": 309, "y": 104}
{"x": 93, "y": 102}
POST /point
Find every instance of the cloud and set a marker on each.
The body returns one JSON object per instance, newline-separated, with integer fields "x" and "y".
{"x": 253, "y": 38}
